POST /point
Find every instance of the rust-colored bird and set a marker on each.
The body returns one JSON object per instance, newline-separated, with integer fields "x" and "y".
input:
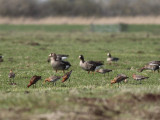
{"x": 34, "y": 80}
{"x": 11, "y": 75}
{"x": 139, "y": 77}
{"x": 53, "y": 79}
{"x": 119, "y": 79}
{"x": 103, "y": 71}
{"x": 66, "y": 76}
{"x": 150, "y": 67}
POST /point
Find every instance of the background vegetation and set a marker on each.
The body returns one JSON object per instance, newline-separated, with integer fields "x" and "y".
{"x": 44, "y": 8}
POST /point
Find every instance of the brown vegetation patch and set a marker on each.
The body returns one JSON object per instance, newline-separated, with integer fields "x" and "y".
{"x": 151, "y": 97}
{"x": 140, "y": 52}
{"x": 83, "y": 40}
{"x": 33, "y": 44}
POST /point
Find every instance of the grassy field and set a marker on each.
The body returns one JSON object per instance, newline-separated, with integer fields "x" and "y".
{"x": 87, "y": 97}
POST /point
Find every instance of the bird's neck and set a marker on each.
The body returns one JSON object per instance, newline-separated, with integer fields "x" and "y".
{"x": 82, "y": 60}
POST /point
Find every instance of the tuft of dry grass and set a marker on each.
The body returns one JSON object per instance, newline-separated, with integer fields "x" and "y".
{"x": 82, "y": 20}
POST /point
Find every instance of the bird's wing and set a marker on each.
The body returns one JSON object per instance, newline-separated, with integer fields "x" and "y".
{"x": 96, "y": 63}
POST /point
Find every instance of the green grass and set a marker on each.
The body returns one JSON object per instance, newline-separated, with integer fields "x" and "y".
{"x": 134, "y": 49}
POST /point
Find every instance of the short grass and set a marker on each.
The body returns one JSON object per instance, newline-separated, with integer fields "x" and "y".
{"x": 86, "y": 96}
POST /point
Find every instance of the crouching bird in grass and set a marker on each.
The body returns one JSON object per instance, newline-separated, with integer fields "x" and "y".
{"x": 119, "y": 79}
{"x": 103, "y": 71}
{"x": 59, "y": 64}
{"x": 66, "y": 76}
{"x": 111, "y": 59}
{"x": 11, "y": 75}
{"x": 139, "y": 77}
{"x": 52, "y": 79}
{"x": 89, "y": 66}
{"x": 34, "y": 80}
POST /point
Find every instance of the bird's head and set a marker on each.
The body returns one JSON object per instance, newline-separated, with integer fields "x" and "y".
{"x": 108, "y": 54}
{"x": 81, "y": 57}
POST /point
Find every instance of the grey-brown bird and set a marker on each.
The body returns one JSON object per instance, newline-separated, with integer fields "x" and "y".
{"x": 34, "y": 80}
{"x": 90, "y": 66}
{"x": 119, "y": 79}
{"x": 150, "y": 67}
{"x": 53, "y": 79}
{"x": 11, "y": 75}
{"x": 139, "y": 77}
{"x": 103, "y": 71}
{"x": 59, "y": 64}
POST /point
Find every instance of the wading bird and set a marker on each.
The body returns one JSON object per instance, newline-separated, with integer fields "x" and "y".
{"x": 149, "y": 67}
{"x": 59, "y": 64}
{"x": 119, "y": 79}
{"x": 66, "y": 76}
{"x": 103, "y": 71}
{"x": 34, "y": 80}
{"x": 89, "y": 66}
{"x": 139, "y": 77}
{"x": 53, "y": 79}
{"x": 11, "y": 75}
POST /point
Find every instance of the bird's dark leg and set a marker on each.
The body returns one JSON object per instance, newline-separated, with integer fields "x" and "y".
{"x": 10, "y": 80}
{"x": 118, "y": 84}
{"x": 13, "y": 80}
{"x": 56, "y": 71}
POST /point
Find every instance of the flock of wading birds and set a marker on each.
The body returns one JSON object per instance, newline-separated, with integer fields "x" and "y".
{"x": 58, "y": 63}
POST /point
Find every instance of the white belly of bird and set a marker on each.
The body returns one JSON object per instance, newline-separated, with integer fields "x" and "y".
{"x": 109, "y": 59}
{"x": 98, "y": 67}
{"x": 63, "y": 58}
